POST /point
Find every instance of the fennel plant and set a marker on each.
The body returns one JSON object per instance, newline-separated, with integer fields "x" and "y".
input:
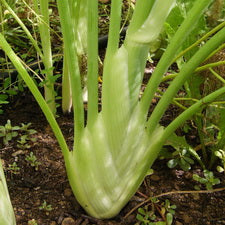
{"x": 114, "y": 150}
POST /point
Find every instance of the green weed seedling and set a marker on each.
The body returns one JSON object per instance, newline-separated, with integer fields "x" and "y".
{"x": 208, "y": 180}
{"x": 183, "y": 155}
{"x": 32, "y": 222}
{"x": 169, "y": 211}
{"x": 32, "y": 159}
{"x": 22, "y": 142}
{"x": 182, "y": 158}
{"x": 221, "y": 155}
{"x": 148, "y": 216}
{"x": 28, "y": 132}
{"x": 13, "y": 168}
{"x": 46, "y": 207}
{"x": 145, "y": 216}
{"x": 3, "y": 99}
{"x": 27, "y": 136}
{"x": 8, "y": 132}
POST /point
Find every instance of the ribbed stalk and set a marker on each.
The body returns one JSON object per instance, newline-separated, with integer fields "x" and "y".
{"x": 167, "y": 58}
{"x": 7, "y": 216}
{"x": 138, "y": 40}
{"x": 66, "y": 87}
{"x": 73, "y": 65}
{"x": 185, "y": 72}
{"x": 92, "y": 52}
{"x": 41, "y": 7}
{"x": 198, "y": 106}
{"x": 37, "y": 95}
{"x": 111, "y": 181}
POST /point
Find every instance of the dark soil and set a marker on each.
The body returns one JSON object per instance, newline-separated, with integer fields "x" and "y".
{"x": 29, "y": 188}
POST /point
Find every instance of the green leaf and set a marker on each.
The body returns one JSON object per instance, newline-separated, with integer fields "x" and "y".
{"x": 177, "y": 142}
{"x": 141, "y": 211}
{"x": 184, "y": 165}
{"x": 3, "y": 97}
{"x": 172, "y": 163}
{"x": 220, "y": 169}
{"x": 140, "y": 217}
{"x": 189, "y": 160}
{"x": 159, "y": 223}
{"x": 219, "y": 154}
{"x": 169, "y": 218}
{"x": 11, "y": 92}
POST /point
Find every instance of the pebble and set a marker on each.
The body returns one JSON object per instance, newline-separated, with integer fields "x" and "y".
{"x": 187, "y": 219}
{"x": 19, "y": 152}
{"x": 68, "y": 221}
{"x": 67, "y": 192}
{"x": 53, "y": 223}
{"x": 154, "y": 177}
{"x": 178, "y": 223}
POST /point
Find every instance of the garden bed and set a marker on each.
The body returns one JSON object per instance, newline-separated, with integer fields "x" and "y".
{"x": 29, "y": 188}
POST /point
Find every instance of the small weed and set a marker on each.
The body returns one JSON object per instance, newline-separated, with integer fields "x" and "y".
{"x": 13, "y": 168}
{"x": 46, "y": 207}
{"x": 32, "y": 159}
{"x": 32, "y": 222}
{"x": 22, "y": 142}
{"x": 8, "y": 132}
{"x": 221, "y": 155}
{"x": 148, "y": 215}
{"x": 208, "y": 180}
{"x": 27, "y": 131}
{"x": 182, "y": 158}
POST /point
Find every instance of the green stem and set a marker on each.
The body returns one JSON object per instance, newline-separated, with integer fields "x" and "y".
{"x": 37, "y": 95}
{"x": 198, "y": 106}
{"x": 141, "y": 12}
{"x": 207, "y": 66}
{"x": 73, "y": 65}
{"x": 138, "y": 39}
{"x": 47, "y": 52}
{"x": 92, "y": 52}
{"x": 185, "y": 72}
{"x": 210, "y": 33}
{"x": 167, "y": 58}
{"x": 66, "y": 87}
{"x": 198, "y": 121}
{"x": 114, "y": 28}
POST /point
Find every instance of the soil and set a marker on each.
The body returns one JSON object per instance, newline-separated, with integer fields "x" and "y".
{"x": 29, "y": 188}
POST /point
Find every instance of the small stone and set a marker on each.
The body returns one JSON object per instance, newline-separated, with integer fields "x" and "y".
{"x": 68, "y": 221}
{"x": 53, "y": 223}
{"x": 178, "y": 223}
{"x": 37, "y": 203}
{"x": 154, "y": 177}
{"x": 19, "y": 152}
{"x": 67, "y": 192}
{"x": 187, "y": 219}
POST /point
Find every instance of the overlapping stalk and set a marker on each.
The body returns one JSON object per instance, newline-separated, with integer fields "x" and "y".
{"x": 112, "y": 153}
{"x": 78, "y": 19}
{"x": 7, "y": 216}
{"x": 42, "y": 9}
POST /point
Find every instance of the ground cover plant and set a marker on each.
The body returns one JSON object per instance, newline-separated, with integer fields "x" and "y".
{"x": 120, "y": 138}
